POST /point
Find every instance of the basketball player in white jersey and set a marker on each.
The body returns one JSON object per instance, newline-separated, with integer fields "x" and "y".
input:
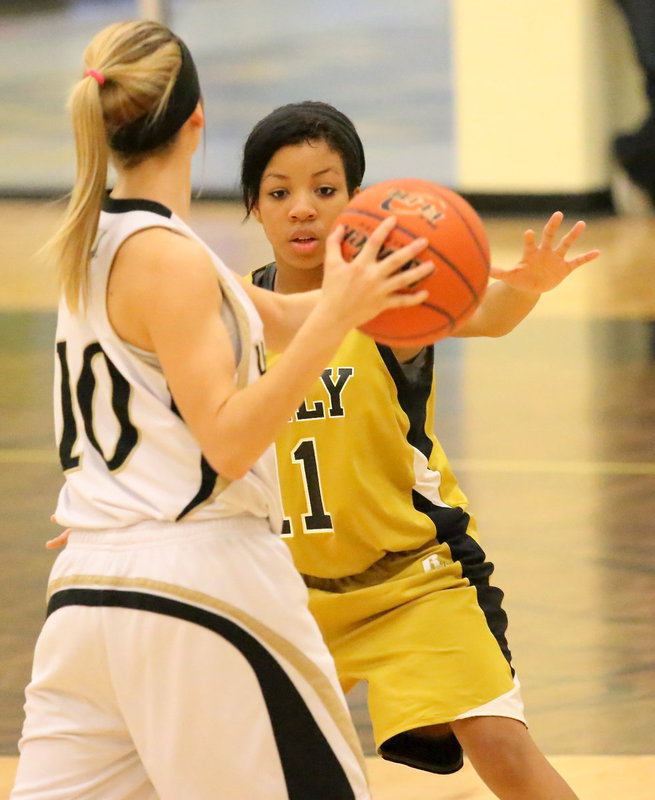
{"x": 178, "y": 658}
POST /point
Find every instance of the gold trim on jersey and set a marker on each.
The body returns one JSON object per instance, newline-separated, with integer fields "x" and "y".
{"x": 275, "y": 642}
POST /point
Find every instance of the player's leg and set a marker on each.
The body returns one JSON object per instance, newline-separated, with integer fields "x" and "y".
{"x": 493, "y": 733}
{"x": 493, "y": 736}
{"x": 451, "y": 664}
{"x": 433, "y": 649}
{"x": 447, "y": 673}
{"x": 226, "y": 709}
{"x": 421, "y": 640}
{"x": 507, "y": 759}
{"x": 218, "y": 668}
{"x": 74, "y": 741}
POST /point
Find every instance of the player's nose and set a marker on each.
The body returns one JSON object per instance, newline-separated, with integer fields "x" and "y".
{"x": 302, "y": 208}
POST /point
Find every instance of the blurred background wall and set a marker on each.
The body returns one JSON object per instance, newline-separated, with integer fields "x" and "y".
{"x": 493, "y": 97}
{"x": 388, "y": 65}
{"x": 540, "y": 89}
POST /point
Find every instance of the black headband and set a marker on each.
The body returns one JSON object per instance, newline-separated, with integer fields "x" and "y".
{"x": 348, "y": 132}
{"x": 147, "y": 133}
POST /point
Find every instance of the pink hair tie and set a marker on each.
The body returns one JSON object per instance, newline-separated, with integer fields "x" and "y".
{"x": 95, "y": 74}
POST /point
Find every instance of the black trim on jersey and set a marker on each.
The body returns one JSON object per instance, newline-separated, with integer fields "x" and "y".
{"x": 310, "y": 767}
{"x": 120, "y": 402}
{"x": 207, "y": 484}
{"x": 264, "y": 277}
{"x": 451, "y": 523}
{"x": 208, "y": 478}
{"x": 69, "y": 426}
{"x": 413, "y": 396}
{"x": 116, "y": 205}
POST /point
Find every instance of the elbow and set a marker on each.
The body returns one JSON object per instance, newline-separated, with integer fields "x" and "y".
{"x": 508, "y": 327}
{"x": 232, "y": 467}
{"x": 499, "y": 328}
{"x": 498, "y": 332}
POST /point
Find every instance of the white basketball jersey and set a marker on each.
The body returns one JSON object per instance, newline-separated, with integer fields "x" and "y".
{"x": 126, "y": 452}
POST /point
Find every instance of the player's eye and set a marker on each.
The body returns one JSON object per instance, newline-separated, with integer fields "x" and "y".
{"x": 278, "y": 194}
{"x": 326, "y": 191}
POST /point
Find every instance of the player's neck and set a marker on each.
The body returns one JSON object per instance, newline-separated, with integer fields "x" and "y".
{"x": 289, "y": 280}
{"x": 166, "y": 181}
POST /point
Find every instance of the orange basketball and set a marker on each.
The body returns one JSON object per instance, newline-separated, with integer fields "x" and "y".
{"x": 458, "y": 246}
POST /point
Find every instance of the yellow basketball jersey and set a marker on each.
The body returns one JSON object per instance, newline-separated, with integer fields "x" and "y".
{"x": 361, "y": 471}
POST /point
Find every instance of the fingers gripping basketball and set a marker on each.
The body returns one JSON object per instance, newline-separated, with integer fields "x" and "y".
{"x": 458, "y": 246}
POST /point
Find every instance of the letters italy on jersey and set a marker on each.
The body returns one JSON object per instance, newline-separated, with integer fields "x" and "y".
{"x": 126, "y": 452}
{"x": 361, "y": 471}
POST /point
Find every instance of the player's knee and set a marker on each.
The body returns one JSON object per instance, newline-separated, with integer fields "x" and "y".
{"x": 498, "y": 744}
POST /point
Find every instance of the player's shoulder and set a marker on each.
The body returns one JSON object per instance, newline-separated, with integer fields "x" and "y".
{"x": 162, "y": 251}
{"x": 160, "y": 264}
{"x": 264, "y": 277}
{"x": 160, "y": 242}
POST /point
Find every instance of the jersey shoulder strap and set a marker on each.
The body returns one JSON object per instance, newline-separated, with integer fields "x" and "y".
{"x": 264, "y": 277}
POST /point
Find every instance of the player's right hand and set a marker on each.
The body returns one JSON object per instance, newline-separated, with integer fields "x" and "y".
{"x": 364, "y": 287}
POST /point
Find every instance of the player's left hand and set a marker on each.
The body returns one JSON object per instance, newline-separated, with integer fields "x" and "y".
{"x": 58, "y": 541}
{"x": 543, "y": 267}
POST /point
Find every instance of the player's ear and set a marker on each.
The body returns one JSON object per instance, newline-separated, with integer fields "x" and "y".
{"x": 356, "y": 192}
{"x": 256, "y": 214}
{"x": 198, "y": 116}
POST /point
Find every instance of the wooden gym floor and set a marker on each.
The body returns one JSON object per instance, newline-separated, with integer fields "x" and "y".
{"x": 551, "y": 431}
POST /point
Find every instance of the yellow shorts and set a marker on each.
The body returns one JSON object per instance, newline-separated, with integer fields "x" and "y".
{"x": 429, "y": 643}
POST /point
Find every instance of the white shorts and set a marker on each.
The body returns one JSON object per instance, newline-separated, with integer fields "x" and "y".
{"x": 181, "y": 661}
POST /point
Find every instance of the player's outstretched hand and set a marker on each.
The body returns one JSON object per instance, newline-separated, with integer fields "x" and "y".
{"x": 543, "y": 266}
{"x": 362, "y": 288}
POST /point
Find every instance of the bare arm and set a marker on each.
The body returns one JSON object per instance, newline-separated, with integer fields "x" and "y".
{"x": 282, "y": 314}
{"x": 516, "y": 291}
{"x": 170, "y": 303}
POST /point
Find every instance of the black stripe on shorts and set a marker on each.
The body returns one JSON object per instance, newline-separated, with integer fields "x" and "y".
{"x": 311, "y": 769}
{"x": 451, "y": 525}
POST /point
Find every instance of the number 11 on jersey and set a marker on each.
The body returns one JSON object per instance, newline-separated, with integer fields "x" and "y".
{"x": 317, "y": 520}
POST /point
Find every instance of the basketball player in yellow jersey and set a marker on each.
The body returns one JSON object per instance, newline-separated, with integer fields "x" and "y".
{"x": 374, "y": 517}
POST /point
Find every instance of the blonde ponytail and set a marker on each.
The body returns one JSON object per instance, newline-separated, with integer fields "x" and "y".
{"x": 138, "y": 63}
{"x": 71, "y": 245}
